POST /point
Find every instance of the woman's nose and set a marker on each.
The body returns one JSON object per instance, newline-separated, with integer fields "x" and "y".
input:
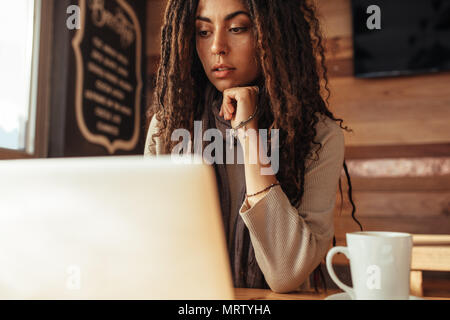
{"x": 219, "y": 45}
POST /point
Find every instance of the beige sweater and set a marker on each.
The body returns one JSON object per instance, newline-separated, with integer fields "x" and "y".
{"x": 290, "y": 242}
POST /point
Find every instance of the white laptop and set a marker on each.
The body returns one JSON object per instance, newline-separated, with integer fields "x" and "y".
{"x": 124, "y": 227}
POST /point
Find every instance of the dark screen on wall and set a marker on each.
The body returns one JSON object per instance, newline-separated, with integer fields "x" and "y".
{"x": 414, "y": 37}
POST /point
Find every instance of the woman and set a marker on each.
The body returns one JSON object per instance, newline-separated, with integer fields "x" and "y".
{"x": 249, "y": 65}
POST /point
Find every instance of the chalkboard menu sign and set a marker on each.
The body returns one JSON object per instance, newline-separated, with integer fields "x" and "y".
{"x": 104, "y": 98}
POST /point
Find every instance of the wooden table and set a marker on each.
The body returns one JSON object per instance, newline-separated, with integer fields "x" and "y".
{"x": 263, "y": 294}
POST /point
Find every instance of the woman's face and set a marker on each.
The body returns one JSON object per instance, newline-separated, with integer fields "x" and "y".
{"x": 226, "y": 44}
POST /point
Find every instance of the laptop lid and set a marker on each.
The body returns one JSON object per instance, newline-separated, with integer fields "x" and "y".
{"x": 123, "y": 227}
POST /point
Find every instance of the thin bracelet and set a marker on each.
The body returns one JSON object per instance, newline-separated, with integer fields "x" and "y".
{"x": 265, "y": 189}
{"x": 243, "y": 123}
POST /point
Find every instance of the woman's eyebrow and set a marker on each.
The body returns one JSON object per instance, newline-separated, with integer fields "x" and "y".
{"x": 228, "y": 17}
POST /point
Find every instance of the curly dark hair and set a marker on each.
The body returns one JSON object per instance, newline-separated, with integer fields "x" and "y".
{"x": 292, "y": 57}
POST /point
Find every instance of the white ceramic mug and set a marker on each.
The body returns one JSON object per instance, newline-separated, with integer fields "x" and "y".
{"x": 380, "y": 264}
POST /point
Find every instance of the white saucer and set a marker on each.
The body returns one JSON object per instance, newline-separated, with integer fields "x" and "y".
{"x": 345, "y": 296}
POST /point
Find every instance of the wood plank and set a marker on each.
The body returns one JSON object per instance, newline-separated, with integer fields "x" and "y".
{"x": 399, "y": 204}
{"x": 339, "y": 68}
{"x": 403, "y": 184}
{"x": 426, "y": 225}
{"x": 155, "y": 17}
{"x": 398, "y": 151}
{"x": 397, "y": 97}
{"x": 339, "y": 48}
{"x": 152, "y": 64}
{"x": 265, "y": 294}
{"x": 431, "y": 239}
{"x": 402, "y": 131}
{"x": 416, "y": 283}
{"x": 436, "y": 286}
{"x": 7, "y": 154}
{"x": 432, "y": 258}
{"x": 335, "y": 17}
{"x": 391, "y": 111}
{"x": 400, "y": 168}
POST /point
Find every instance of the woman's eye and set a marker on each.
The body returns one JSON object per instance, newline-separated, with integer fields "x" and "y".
{"x": 203, "y": 33}
{"x": 238, "y": 29}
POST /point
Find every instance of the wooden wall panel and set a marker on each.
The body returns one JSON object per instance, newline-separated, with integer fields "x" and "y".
{"x": 155, "y": 12}
{"x": 398, "y": 151}
{"x": 335, "y": 17}
{"x": 421, "y": 225}
{"x": 415, "y": 204}
{"x": 405, "y": 110}
{"x": 403, "y": 184}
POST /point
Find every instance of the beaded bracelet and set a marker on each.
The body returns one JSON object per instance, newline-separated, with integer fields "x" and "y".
{"x": 265, "y": 189}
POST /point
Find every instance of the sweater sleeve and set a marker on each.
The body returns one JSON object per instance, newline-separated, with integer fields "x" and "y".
{"x": 290, "y": 242}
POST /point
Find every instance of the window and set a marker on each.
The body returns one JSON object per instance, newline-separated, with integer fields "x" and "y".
{"x": 24, "y": 48}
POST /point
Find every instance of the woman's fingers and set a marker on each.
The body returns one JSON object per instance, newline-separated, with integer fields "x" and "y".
{"x": 234, "y": 96}
{"x": 225, "y": 114}
{"x": 227, "y": 108}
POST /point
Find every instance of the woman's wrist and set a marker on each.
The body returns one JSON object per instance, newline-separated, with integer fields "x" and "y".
{"x": 245, "y": 133}
{"x": 250, "y": 142}
{"x": 254, "y": 200}
{"x": 251, "y": 200}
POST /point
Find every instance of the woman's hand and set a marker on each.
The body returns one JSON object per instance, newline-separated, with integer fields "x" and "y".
{"x": 239, "y": 104}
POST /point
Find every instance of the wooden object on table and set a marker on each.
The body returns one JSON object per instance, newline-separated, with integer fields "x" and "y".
{"x": 265, "y": 294}
{"x": 430, "y": 253}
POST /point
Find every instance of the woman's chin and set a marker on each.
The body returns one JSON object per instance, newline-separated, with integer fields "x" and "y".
{"x": 226, "y": 84}
{"x": 223, "y": 85}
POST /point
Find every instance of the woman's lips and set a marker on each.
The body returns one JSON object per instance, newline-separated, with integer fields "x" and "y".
{"x": 220, "y": 74}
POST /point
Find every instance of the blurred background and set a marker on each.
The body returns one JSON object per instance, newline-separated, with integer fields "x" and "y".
{"x": 68, "y": 91}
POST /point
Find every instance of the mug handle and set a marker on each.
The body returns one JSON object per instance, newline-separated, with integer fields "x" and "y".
{"x": 333, "y": 275}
